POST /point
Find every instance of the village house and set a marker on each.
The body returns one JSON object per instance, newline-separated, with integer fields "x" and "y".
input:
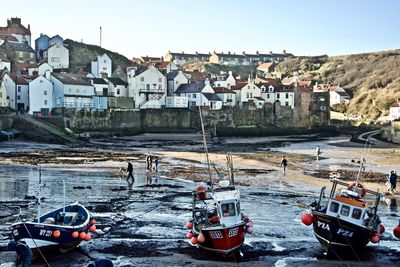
{"x": 265, "y": 69}
{"x": 17, "y": 91}
{"x": 228, "y": 58}
{"x": 174, "y": 80}
{"x": 18, "y": 52}
{"x": 200, "y": 94}
{"x": 3, "y": 95}
{"x": 34, "y": 69}
{"x": 146, "y": 59}
{"x": 117, "y": 87}
{"x": 246, "y": 93}
{"x": 5, "y": 65}
{"x": 338, "y": 95}
{"x": 101, "y": 66}
{"x": 176, "y": 102}
{"x": 227, "y": 96}
{"x": 72, "y": 91}
{"x": 120, "y": 72}
{"x": 224, "y": 80}
{"x": 15, "y": 31}
{"x": 181, "y": 58}
{"x": 52, "y": 51}
{"x": 394, "y": 111}
{"x": 164, "y": 66}
{"x": 269, "y": 89}
{"x": 40, "y": 96}
{"x": 246, "y": 59}
{"x": 147, "y": 86}
{"x": 101, "y": 87}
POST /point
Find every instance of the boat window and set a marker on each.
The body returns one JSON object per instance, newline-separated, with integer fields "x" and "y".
{"x": 238, "y": 207}
{"x": 228, "y": 209}
{"x": 334, "y": 207}
{"x": 356, "y": 213}
{"x": 345, "y": 210}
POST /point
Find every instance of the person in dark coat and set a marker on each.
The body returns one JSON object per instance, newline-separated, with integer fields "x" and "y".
{"x": 284, "y": 164}
{"x": 130, "y": 170}
{"x": 24, "y": 252}
{"x": 393, "y": 180}
{"x": 156, "y": 163}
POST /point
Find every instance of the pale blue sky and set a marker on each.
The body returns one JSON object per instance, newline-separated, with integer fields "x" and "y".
{"x": 152, "y": 27}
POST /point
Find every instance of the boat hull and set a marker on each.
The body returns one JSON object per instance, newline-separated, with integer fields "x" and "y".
{"x": 223, "y": 240}
{"x": 337, "y": 235}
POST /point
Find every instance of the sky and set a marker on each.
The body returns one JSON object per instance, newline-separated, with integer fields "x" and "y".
{"x": 153, "y": 27}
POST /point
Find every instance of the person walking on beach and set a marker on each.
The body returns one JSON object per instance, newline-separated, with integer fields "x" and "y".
{"x": 393, "y": 181}
{"x": 284, "y": 164}
{"x": 148, "y": 162}
{"x": 318, "y": 152}
{"x": 156, "y": 163}
{"x": 130, "y": 170}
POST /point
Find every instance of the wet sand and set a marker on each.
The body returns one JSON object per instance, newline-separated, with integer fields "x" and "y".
{"x": 141, "y": 224}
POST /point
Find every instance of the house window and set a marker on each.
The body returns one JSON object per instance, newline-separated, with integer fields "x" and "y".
{"x": 160, "y": 86}
{"x": 1, "y": 95}
{"x": 247, "y": 95}
{"x": 176, "y": 82}
{"x": 194, "y": 96}
{"x": 323, "y": 107}
{"x": 251, "y": 95}
{"x": 277, "y": 95}
{"x": 287, "y": 95}
{"x": 118, "y": 91}
{"x": 55, "y": 59}
{"x": 105, "y": 61}
{"x": 267, "y": 95}
{"x": 45, "y": 102}
{"x": 148, "y": 86}
{"x": 159, "y": 80}
{"x": 286, "y": 103}
{"x": 44, "y": 92}
{"x": 142, "y": 79}
{"x": 41, "y": 81}
{"x": 19, "y": 89}
{"x": 19, "y": 97}
{"x": 248, "y": 86}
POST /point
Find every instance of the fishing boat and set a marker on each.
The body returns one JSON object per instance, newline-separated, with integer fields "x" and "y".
{"x": 217, "y": 223}
{"x": 346, "y": 223}
{"x": 63, "y": 228}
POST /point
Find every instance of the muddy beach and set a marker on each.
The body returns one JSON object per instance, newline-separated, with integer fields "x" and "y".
{"x": 142, "y": 223}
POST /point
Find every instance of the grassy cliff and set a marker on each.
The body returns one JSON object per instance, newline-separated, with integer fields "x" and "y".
{"x": 81, "y": 54}
{"x": 373, "y": 77}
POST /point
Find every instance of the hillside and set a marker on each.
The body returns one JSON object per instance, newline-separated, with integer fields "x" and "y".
{"x": 82, "y": 54}
{"x": 207, "y": 67}
{"x": 372, "y": 77}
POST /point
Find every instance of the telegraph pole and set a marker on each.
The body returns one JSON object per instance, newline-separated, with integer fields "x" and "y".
{"x": 100, "y": 36}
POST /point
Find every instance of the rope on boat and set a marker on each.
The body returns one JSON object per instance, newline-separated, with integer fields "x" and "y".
{"x": 44, "y": 258}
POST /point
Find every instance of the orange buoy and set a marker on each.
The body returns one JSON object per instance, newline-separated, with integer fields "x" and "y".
{"x": 92, "y": 221}
{"x": 307, "y": 219}
{"x": 396, "y": 231}
{"x": 189, "y": 225}
{"x": 193, "y": 240}
{"x": 87, "y": 237}
{"x": 189, "y": 235}
{"x": 82, "y": 235}
{"x": 375, "y": 238}
{"x": 92, "y": 228}
{"x": 75, "y": 234}
{"x": 201, "y": 238}
{"x": 56, "y": 233}
{"x": 382, "y": 229}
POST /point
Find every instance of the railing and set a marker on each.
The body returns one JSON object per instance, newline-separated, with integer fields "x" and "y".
{"x": 78, "y": 105}
{"x": 150, "y": 90}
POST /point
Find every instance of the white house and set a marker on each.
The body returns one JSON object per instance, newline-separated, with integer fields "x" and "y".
{"x": 3, "y": 95}
{"x": 40, "y": 95}
{"x": 72, "y": 91}
{"x": 246, "y": 92}
{"x": 101, "y": 86}
{"x": 174, "y": 80}
{"x": 17, "y": 91}
{"x": 227, "y": 96}
{"x": 394, "y": 111}
{"x": 4, "y": 65}
{"x": 200, "y": 94}
{"x": 176, "y": 102}
{"x": 225, "y": 81}
{"x": 117, "y": 87}
{"x": 102, "y": 66}
{"x": 285, "y": 95}
{"x": 57, "y": 56}
{"x": 147, "y": 86}
{"x": 338, "y": 95}
{"x": 39, "y": 69}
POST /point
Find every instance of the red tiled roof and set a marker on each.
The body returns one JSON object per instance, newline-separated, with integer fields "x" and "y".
{"x": 239, "y": 85}
{"x": 259, "y": 98}
{"x": 27, "y": 65}
{"x": 265, "y": 66}
{"x": 223, "y": 90}
{"x": 6, "y": 37}
{"x": 342, "y": 93}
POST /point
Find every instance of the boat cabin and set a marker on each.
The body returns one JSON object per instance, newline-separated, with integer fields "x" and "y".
{"x": 228, "y": 206}
{"x": 348, "y": 207}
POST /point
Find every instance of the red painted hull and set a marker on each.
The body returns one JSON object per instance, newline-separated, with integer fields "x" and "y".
{"x": 223, "y": 240}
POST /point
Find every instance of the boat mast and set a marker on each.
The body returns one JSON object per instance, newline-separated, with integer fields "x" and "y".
{"x": 64, "y": 196}
{"x": 362, "y": 161}
{"x": 39, "y": 193}
{"x": 205, "y": 147}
